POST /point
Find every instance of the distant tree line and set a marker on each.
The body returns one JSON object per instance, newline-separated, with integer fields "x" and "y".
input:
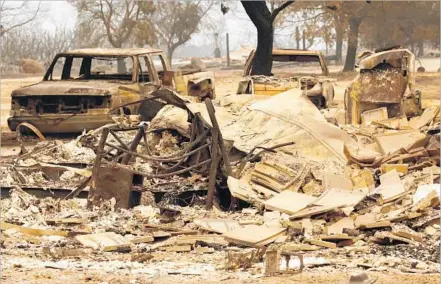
{"x": 170, "y": 24}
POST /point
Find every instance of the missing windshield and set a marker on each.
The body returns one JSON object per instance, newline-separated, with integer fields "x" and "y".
{"x": 284, "y": 65}
{"x": 118, "y": 68}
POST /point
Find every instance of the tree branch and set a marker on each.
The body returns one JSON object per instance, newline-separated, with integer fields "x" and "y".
{"x": 279, "y": 9}
{"x": 5, "y": 30}
{"x": 258, "y": 13}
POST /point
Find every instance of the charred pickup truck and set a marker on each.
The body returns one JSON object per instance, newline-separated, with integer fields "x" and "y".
{"x": 83, "y": 88}
{"x": 302, "y": 69}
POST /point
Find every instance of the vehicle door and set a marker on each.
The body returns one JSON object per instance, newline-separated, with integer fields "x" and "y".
{"x": 147, "y": 77}
{"x": 149, "y": 81}
{"x": 163, "y": 70}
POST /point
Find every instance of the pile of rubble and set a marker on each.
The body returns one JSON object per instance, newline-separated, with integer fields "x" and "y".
{"x": 235, "y": 190}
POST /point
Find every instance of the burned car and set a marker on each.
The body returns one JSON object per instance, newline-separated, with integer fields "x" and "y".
{"x": 83, "y": 88}
{"x": 301, "y": 69}
{"x": 385, "y": 81}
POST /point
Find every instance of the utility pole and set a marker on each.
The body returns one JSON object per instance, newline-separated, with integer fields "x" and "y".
{"x": 217, "y": 53}
{"x": 303, "y": 40}
{"x": 297, "y": 38}
{"x": 228, "y": 49}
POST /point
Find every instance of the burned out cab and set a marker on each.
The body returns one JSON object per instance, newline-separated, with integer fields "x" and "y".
{"x": 292, "y": 69}
{"x": 83, "y": 88}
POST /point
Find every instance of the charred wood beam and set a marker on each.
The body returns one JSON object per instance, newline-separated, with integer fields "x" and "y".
{"x": 97, "y": 165}
{"x": 213, "y": 168}
{"x": 119, "y": 140}
{"x": 84, "y": 182}
{"x": 220, "y": 139}
{"x": 126, "y": 158}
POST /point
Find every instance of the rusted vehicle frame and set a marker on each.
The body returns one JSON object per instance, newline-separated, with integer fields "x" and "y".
{"x": 319, "y": 89}
{"x": 98, "y": 95}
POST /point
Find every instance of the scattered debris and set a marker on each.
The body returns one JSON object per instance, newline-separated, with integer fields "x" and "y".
{"x": 270, "y": 183}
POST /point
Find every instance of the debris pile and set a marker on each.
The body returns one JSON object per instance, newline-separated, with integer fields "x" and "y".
{"x": 264, "y": 190}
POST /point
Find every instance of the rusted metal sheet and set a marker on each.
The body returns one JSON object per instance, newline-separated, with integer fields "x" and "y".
{"x": 111, "y": 182}
{"x": 386, "y": 79}
{"x": 392, "y": 57}
{"x": 382, "y": 87}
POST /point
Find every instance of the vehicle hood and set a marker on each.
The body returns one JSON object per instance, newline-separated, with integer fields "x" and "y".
{"x": 53, "y": 88}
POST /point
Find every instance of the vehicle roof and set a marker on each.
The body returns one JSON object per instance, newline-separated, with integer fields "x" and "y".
{"x": 110, "y": 51}
{"x": 279, "y": 51}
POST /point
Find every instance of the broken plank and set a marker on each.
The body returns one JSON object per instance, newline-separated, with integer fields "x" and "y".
{"x": 220, "y": 226}
{"x": 200, "y": 249}
{"x": 390, "y": 143}
{"x": 340, "y": 198}
{"x": 182, "y": 248}
{"x": 336, "y": 181}
{"x": 243, "y": 191}
{"x": 345, "y": 243}
{"x": 74, "y": 221}
{"x": 405, "y": 232}
{"x": 289, "y": 202}
{"x": 401, "y": 168}
{"x": 108, "y": 241}
{"x": 337, "y": 227}
{"x": 143, "y": 239}
{"x": 37, "y": 232}
{"x": 161, "y": 234}
{"x": 322, "y": 243}
{"x": 390, "y": 238}
{"x": 253, "y": 235}
{"x": 336, "y": 237}
{"x": 207, "y": 239}
{"x": 311, "y": 211}
{"x": 378, "y": 224}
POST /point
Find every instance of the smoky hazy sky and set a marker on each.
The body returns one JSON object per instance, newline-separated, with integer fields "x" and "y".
{"x": 235, "y": 22}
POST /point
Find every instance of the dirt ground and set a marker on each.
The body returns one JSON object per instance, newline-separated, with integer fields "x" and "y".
{"x": 164, "y": 267}
{"x": 53, "y": 276}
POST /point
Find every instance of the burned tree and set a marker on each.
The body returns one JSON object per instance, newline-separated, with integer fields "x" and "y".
{"x": 120, "y": 22}
{"x": 176, "y": 21}
{"x": 16, "y": 15}
{"x": 263, "y": 19}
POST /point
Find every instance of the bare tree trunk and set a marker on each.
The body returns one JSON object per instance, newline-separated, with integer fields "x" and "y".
{"x": 338, "y": 42}
{"x": 263, "y": 59}
{"x": 263, "y": 20}
{"x": 170, "y": 51}
{"x": 303, "y": 40}
{"x": 420, "y": 49}
{"x": 297, "y": 38}
{"x": 412, "y": 47}
{"x": 120, "y": 64}
{"x": 354, "y": 25}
